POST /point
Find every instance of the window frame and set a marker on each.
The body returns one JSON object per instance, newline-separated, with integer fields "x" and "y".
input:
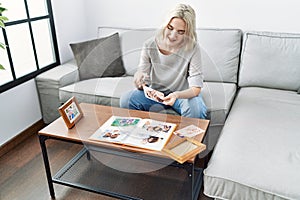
{"x": 17, "y": 81}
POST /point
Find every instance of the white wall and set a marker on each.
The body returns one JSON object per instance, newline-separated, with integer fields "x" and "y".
{"x": 261, "y": 15}
{"x": 19, "y": 110}
{"x": 70, "y": 18}
{"x": 77, "y": 20}
{"x": 83, "y": 18}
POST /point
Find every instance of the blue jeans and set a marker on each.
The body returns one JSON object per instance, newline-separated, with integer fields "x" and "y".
{"x": 136, "y": 100}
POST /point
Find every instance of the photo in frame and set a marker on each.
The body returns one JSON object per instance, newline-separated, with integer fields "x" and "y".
{"x": 70, "y": 112}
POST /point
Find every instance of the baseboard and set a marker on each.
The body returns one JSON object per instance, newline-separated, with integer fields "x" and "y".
{"x": 21, "y": 137}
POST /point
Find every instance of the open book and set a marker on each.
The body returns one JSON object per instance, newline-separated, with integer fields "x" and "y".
{"x": 143, "y": 133}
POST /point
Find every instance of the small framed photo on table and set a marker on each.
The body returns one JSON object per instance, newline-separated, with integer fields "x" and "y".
{"x": 70, "y": 112}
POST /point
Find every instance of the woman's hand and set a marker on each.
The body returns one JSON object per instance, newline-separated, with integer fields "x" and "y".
{"x": 140, "y": 79}
{"x": 170, "y": 99}
{"x": 184, "y": 94}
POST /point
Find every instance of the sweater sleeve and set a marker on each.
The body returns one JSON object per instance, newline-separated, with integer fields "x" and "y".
{"x": 145, "y": 61}
{"x": 195, "y": 75}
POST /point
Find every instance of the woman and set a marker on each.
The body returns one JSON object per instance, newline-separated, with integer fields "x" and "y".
{"x": 171, "y": 63}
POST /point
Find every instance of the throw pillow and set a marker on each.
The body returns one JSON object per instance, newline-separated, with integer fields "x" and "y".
{"x": 298, "y": 90}
{"x": 99, "y": 57}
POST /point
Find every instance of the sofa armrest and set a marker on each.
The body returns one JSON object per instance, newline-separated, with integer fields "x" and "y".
{"x": 48, "y": 84}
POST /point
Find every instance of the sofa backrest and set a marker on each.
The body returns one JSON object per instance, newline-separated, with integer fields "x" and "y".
{"x": 270, "y": 60}
{"x": 220, "y": 50}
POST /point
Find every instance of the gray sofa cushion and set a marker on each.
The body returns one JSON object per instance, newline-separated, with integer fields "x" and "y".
{"x": 270, "y": 60}
{"x": 218, "y": 98}
{"x": 104, "y": 91}
{"x": 258, "y": 148}
{"x": 99, "y": 58}
{"x": 220, "y": 52}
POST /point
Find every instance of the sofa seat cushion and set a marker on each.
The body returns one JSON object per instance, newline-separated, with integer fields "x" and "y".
{"x": 104, "y": 91}
{"x": 258, "y": 152}
{"x": 218, "y": 98}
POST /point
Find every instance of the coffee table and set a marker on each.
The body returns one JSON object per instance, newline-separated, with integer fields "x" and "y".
{"x": 94, "y": 117}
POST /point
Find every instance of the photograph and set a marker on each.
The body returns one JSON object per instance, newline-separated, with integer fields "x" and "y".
{"x": 152, "y": 94}
{"x": 189, "y": 131}
{"x": 70, "y": 112}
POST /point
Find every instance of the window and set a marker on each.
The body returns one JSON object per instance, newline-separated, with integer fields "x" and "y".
{"x": 30, "y": 39}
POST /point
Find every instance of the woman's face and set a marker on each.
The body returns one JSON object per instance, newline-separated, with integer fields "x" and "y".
{"x": 175, "y": 32}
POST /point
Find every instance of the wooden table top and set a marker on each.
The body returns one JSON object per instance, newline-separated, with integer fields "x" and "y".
{"x": 96, "y": 115}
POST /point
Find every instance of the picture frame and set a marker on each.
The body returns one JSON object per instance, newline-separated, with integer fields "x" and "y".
{"x": 184, "y": 149}
{"x": 70, "y": 112}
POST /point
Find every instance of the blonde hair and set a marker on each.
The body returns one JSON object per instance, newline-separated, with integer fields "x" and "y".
{"x": 187, "y": 14}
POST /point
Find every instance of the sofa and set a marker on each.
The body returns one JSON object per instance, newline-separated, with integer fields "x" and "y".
{"x": 251, "y": 90}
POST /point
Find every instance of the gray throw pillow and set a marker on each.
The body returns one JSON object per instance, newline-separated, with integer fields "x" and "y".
{"x": 99, "y": 58}
{"x": 298, "y": 90}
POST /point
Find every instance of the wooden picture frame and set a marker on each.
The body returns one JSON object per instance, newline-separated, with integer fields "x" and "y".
{"x": 184, "y": 149}
{"x": 70, "y": 112}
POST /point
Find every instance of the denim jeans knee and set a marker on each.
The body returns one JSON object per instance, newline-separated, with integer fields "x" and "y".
{"x": 124, "y": 100}
{"x": 194, "y": 107}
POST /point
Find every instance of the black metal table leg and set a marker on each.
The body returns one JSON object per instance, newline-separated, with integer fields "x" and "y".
{"x": 46, "y": 164}
{"x": 189, "y": 167}
{"x": 88, "y": 154}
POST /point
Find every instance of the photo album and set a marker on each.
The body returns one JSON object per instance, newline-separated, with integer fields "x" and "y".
{"x": 138, "y": 132}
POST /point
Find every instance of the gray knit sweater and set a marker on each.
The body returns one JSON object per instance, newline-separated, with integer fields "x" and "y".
{"x": 174, "y": 72}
